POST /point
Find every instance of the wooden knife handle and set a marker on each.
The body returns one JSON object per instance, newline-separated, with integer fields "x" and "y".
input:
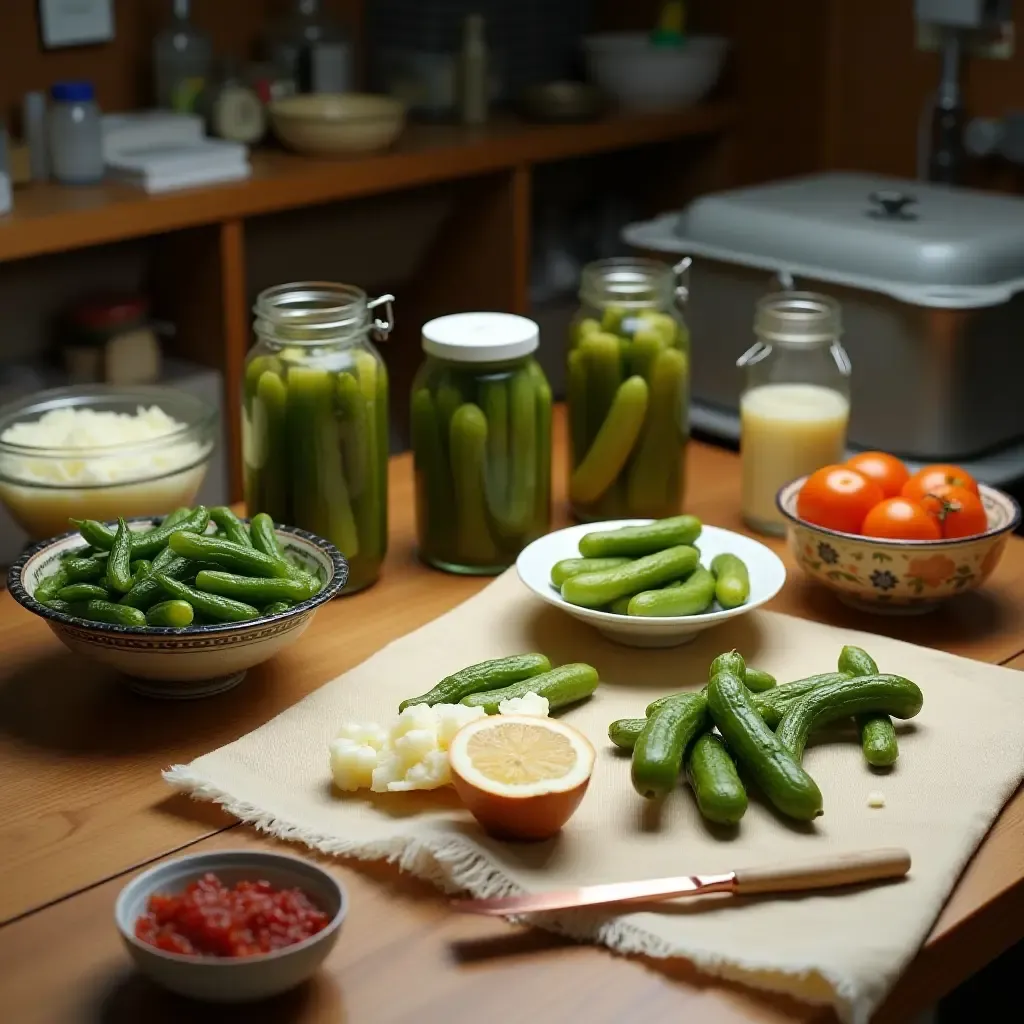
{"x": 825, "y": 872}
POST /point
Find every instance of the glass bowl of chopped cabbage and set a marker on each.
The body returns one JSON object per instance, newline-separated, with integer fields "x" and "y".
{"x": 99, "y": 452}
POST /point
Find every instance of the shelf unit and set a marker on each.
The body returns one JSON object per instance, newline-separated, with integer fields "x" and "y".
{"x": 479, "y": 260}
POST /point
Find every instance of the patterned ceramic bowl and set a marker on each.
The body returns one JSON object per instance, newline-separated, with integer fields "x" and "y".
{"x": 898, "y": 576}
{"x": 197, "y": 661}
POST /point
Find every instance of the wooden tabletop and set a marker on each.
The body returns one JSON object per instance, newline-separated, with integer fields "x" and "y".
{"x": 84, "y": 805}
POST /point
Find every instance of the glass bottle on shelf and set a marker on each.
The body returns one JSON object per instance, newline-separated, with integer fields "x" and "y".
{"x": 628, "y": 391}
{"x": 182, "y": 60}
{"x": 315, "y": 418}
{"x": 795, "y": 403}
{"x": 481, "y": 438}
{"x": 313, "y": 49}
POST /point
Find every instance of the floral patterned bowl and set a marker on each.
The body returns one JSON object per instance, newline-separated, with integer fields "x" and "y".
{"x": 898, "y": 576}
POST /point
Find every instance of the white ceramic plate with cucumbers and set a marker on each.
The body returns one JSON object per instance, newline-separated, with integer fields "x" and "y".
{"x": 767, "y": 575}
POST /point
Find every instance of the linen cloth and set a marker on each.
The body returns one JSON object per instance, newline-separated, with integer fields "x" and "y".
{"x": 960, "y": 760}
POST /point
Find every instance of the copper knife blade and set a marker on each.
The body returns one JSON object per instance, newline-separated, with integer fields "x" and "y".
{"x": 794, "y": 876}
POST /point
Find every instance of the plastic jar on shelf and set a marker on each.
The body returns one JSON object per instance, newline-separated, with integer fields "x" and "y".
{"x": 628, "y": 391}
{"x": 481, "y": 437}
{"x": 75, "y": 136}
{"x": 315, "y": 419}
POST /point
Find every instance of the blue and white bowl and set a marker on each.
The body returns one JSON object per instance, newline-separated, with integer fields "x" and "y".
{"x": 196, "y": 661}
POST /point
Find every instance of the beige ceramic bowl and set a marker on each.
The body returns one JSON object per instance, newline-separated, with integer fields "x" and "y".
{"x": 898, "y": 576}
{"x": 330, "y": 124}
{"x": 197, "y": 661}
{"x": 224, "y": 979}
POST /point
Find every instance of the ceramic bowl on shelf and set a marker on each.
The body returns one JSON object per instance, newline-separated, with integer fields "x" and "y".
{"x": 767, "y": 575}
{"x": 197, "y": 661}
{"x": 232, "y": 979}
{"x": 898, "y": 576}
{"x": 43, "y": 486}
{"x": 638, "y": 75}
{"x": 332, "y": 124}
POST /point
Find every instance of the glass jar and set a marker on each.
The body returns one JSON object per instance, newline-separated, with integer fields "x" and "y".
{"x": 795, "y": 404}
{"x": 481, "y": 437}
{"x": 315, "y": 419}
{"x": 628, "y": 391}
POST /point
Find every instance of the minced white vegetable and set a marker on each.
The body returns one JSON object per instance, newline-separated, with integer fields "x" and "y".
{"x": 83, "y": 429}
{"x": 876, "y": 799}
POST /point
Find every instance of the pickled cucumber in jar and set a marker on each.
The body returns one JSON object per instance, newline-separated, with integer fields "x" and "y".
{"x": 315, "y": 422}
{"x": 481, "y": 438}
{"x": 628, "y": 385}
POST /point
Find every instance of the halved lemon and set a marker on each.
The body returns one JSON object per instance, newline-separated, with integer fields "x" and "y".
{"x": 521, "y": 776}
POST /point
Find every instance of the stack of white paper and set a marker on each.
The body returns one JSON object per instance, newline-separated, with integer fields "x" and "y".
{"x": 164, "y": 168}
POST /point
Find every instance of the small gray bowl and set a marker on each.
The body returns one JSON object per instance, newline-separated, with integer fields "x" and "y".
{"x": 224, "y": 979}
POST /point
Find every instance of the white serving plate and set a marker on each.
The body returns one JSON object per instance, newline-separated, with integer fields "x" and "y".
{"x": 767, "y": 575}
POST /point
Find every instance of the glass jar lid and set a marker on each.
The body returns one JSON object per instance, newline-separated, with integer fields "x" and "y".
{"x": 632, "y": 282}
{"x": 480, "y": 337}
{"x": 798, "y": 318}
{"x": 319, "y": 312}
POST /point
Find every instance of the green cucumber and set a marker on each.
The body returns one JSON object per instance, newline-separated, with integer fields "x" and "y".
{"x": 152, "y": 542}
{"x": 635, "y": 541}
{"x": 663, "y": 742}
{"x": 625, "y": 732}
{"x": 597, "y": 589}
{"x": 86, "y": 570}
{"x": 564, "y": 685}
{"x": 694, "y": 597}
{"x": 774, "y": 703}
{"x": 83, "y": 592}
{"x": 147, "y": 592}
{"x": 877, "y": 733}
{"x": 755, "y": 746}
{"x": 485, "y": 675}
{"x": 221, "y": 609}
{"x": 230, "y": 525}
{"x": 264, "y": 536}
{"x": 732, "y": 580}
{"x": 177, "y": 614}
{"x": 256, "y": 590}
{"x": 567, "y": 567}
{"x": 233, "y": 557}
{"x": 716, "y": 784}
{"x": 107, "y": 611}
{"x": 878, "y": 694}
{"x": 757, "y": 680}
{"x": 46, "y": 589}
{"x": 119, "y": 573}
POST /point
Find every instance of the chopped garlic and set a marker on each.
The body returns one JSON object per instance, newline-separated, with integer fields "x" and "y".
{"x": 529, "y": 704}
{"x": 876, "y": 799}
{"x": 411, "y": 754}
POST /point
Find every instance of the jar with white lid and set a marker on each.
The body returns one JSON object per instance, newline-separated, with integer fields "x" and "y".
{"x": 76, "y": 139}
{"x": 481, "y": 437}
{"x": 795, "y": 404}
{"x": 315, "y": 418}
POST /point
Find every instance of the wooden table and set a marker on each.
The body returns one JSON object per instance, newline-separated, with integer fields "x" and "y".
{"x": 84, "y": 806}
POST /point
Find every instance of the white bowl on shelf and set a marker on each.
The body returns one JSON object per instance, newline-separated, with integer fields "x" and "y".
{"x": 767, "y": 575}
{"x": 333, "y": 124}
{"x": 638, "y": 75}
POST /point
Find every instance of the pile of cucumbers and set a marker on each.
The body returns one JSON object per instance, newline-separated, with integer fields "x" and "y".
{"x": 481, "y": 446}
{"x": 488, "y": 683}
{"x": 315, "y": 448}
{"x": 652, "y": 570}
{"x": 628, "y": 390}
{"x": 743, "y": 726}
{"x": 177, "y": 574}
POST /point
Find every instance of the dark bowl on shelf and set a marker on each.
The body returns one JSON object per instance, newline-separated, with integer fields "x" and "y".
{"x": 563, "y": 102}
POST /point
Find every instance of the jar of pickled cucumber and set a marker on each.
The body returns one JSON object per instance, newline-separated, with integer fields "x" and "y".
{"x": 315, "y": 418}
{"x": 628, "y": 391}
{"x": 481, "y": 437}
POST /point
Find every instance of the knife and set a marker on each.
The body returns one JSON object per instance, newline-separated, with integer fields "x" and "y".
{"x": 796, "y": 876}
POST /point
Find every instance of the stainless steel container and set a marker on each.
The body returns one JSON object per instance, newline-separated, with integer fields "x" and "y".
{"x": 930, "y": 280}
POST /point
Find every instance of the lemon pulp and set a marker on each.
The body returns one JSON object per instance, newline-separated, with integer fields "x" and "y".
{"x": 516, "y": 754}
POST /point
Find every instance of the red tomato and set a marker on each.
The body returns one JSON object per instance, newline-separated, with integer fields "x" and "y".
{"x": 901, "y": 519}
{"x": 958, "y": 511}
{"x": 927, "y": 480}
{"x": 886, "y": 470}
{"x": 837, "y": 498}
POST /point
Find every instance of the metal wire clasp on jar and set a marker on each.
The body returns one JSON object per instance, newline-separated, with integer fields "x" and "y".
{"x": 315, "y": 418}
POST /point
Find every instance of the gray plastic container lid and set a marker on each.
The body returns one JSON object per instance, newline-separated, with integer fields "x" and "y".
{"x": 924, "y": 244}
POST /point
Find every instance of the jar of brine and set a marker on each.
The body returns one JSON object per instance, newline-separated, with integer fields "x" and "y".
{"x": 481, "y": 439}
{"x": 628, "y": 391}
{"x": 795, "y": 403}
{"x": 315, "y": 418}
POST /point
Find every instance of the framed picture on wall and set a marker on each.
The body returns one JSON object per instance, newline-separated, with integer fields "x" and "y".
{"x": 75, "y": 22}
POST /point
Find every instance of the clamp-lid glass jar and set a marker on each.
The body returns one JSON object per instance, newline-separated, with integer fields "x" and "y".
{"x": 315, "y": 419}
{"x": 481, "y": 436}
{"x": 628, "y": 391}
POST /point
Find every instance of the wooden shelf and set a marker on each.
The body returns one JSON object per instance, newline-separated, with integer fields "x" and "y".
{"x": 51, "y": 218}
